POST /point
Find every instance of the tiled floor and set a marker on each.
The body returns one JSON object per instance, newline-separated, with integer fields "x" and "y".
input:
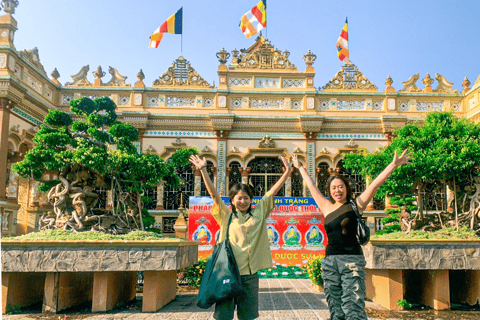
{"x": 280, "y": 299}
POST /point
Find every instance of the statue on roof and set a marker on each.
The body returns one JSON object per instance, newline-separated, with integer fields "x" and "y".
{"x": 181, "y": 73}
{"x": 80, "y": 78}
{"x": 33, "y": 57}
{"x": 262, "y": 55}
{"x": 410, "y": 84}
{"x": 350, "y": 78}
{"x": 9, "y": 6}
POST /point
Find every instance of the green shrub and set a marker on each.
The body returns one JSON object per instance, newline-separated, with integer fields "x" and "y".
{"x": 87, "y": 235}
{"x": 193, "y": 274}
{"x": 314, "y": 269}
{"x": 447, "y": 233}
{"x": 404, "y": 304}
{"x": 13, "y": 309}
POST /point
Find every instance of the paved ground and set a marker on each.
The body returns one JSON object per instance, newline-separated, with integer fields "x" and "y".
{"x": 280, "y": 299}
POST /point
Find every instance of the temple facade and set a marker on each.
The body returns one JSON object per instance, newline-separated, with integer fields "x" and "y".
{"x": 262, "y": 108}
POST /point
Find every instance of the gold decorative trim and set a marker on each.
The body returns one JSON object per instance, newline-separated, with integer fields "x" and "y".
{"x": 181, "y": 73}
{"x": 350, "y": 78}
{"x": 262, "y": 55}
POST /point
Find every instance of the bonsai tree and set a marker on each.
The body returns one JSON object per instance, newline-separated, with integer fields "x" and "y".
{"x": 446, "y": 151}
{"x": 91, "y": 149}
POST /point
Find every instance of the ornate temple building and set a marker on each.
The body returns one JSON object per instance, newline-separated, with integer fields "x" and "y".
{"x": 263, "y": 107}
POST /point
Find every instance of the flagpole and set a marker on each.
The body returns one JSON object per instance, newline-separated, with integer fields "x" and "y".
{"x": 181, "y": 37}
{"x": 266, "y": 25}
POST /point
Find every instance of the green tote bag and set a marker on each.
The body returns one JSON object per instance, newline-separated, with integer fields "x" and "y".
{"x": 221, "y": 279}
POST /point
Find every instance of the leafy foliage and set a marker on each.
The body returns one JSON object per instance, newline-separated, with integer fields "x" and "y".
{"x": 447, "y": 233}
{"x": 404, "y": 304}
{"x": 314, "y": 269}
{"x": 392, "y": 221}
{"x": 445, "y": 152}
{"x": 193, "y": 274}
{"x": 444, "y": 148}
{"x": 67, "y": 235}
{"x": 97, "y": 150}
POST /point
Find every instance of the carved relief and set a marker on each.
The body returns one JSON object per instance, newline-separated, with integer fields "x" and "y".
{"x": 33, "y": 57}
{"x": 181, "y": 74}
{"x": 266, "y": 142}
{"x": 351, "y": 144}
{"x": 178, "y": 143}
{"x": 350, "y": 78}
{"x": 262, "y": 55}
{"x": 324, "y": 150}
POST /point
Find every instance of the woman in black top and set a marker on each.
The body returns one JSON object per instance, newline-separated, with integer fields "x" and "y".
{"x": 344, "y": 264}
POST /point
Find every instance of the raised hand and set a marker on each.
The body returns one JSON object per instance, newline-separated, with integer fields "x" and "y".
{"x": 296, "y": 163}
{"x": 197, "y": 161}
{"x": 287, "y": 165}
{"x": 403, "y": 159}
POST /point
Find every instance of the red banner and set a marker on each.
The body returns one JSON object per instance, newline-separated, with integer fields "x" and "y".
{"x": 295, "y": 229}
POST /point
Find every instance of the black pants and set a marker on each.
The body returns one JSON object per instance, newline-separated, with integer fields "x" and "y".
{"x": 247, "y": 302}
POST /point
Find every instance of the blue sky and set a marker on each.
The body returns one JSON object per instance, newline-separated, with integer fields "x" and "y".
{"x": 396, "y": 38}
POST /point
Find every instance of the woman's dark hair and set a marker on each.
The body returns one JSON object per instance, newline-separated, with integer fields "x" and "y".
{"x": 347, "y": 185}
{"x": 236, "y": 188}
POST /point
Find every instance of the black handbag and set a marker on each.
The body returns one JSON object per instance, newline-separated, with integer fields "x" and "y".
{"x": 363, "y": 232}
{"x": 221, "y": 279}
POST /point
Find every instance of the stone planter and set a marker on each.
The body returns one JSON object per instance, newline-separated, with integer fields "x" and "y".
{"x": 65, "y": 273}
{"x": 426, "y": 271}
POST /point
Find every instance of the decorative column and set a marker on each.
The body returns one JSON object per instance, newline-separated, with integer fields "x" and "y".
{"x": 222, "y": 160}
{"x": 12, "y": 189}
{"x": 245, "y": 173}
{"x": 160, "y": 197}
{"x": 310, "y": 139}
{"x": 34, "y": 200}
{"x": 214, "y": 171}
{"x": 288, "y": 184}
{"x": 229, "y": 172}
{"x": 198, "y": 182}
{"x": 5, "y": 110}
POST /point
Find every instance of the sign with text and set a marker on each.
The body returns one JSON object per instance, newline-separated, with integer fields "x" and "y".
{"x": 295, "y": 228}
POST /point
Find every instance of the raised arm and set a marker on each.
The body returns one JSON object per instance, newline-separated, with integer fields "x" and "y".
{"x": 367, "y": 195}
{"x": 321, "y": 201}
{"x": 201, "y": 164}
{"x": 276, "y": 187}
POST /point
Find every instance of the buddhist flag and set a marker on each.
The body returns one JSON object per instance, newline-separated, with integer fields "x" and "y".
{"x": 171, "y": 25}
{"x": 342, "y": 44}
{"x": 254, "y": 20}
